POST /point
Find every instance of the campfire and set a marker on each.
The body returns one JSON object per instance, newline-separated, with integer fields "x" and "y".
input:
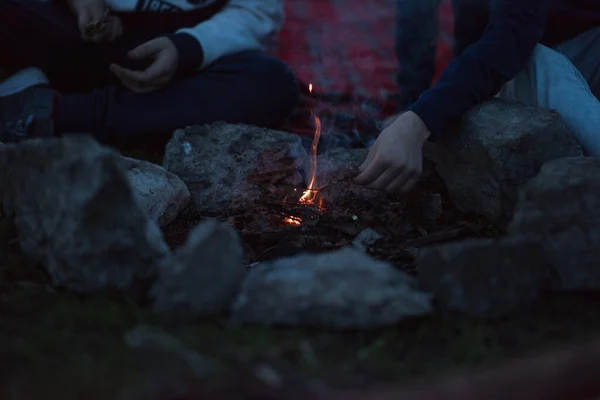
{"x": 310, "y": 196}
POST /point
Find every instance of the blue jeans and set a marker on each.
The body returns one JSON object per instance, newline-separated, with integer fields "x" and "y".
{"x": 417, "y": 31}
{"x": 250, "y": 87}
{"x": 566, "y": 79}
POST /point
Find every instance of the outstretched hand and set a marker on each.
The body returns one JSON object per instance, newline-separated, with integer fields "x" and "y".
{"x": 165, "y": 60}
{"x": 395, "y": 162}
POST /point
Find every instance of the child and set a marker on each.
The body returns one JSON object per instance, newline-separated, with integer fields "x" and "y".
{"x": 139, "y": 68}
{"x": 542, "y": 53}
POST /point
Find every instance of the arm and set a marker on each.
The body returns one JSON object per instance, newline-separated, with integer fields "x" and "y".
{"x": 241, "y": 25}
{"x": 514, "y": 29}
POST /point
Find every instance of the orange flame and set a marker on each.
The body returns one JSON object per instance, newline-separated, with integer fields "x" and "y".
{"x": 309, "y": 195}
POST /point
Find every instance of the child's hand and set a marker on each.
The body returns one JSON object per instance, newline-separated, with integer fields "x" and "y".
{"x": 395, "y": 161}
{"x": 165, "y": 60}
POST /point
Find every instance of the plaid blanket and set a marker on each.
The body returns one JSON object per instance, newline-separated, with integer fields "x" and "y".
{"x": 345, "y": 48}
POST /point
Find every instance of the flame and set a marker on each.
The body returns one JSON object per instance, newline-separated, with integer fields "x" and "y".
{"x": 309, "y": 195}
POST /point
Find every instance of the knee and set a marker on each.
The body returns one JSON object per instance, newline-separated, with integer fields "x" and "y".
{"x": 544, "y": 56}
{"x": 278, "y": 83}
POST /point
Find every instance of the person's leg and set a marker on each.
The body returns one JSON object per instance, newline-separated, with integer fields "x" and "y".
{"x": 250, "y": 87}
{"x": 45, "y": 35}
{"x": 584, "y": 52}
{"x": 416, "y": 42}
{"x": 550, "y": 80}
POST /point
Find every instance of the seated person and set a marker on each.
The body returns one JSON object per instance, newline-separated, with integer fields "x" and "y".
{"x": 539, "y": 52}
{"x": 119, "y": 69}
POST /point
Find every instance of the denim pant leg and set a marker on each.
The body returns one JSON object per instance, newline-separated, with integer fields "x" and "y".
{"x": 565, "y": 79}
{"x": 584, "y": 52}
{"x": 416, "y": 41}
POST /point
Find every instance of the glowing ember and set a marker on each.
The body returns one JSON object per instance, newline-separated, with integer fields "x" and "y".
{"x": 309, "y": 195}
{"x": 293, "y": 220}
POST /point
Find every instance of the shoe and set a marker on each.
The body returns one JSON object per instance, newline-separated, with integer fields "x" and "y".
{"x": 27, "y": 114}
{"x": 22, "y": 80}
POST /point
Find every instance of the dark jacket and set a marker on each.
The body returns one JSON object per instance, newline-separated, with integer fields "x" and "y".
{"x": 496, "y": 55}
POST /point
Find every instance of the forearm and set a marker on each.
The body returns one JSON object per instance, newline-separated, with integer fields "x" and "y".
{"x": 242, "y": 25}
{"x": 514, "y": 29}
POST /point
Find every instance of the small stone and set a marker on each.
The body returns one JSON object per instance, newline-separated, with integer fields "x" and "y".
{"x": 500, "y": 146}
{"x": 344, "y": 289}
{"x": 161, "y": 194}
{"x": 366, "y": 238}
{"x": 224, "y": 165}
{"x": 561, "y": 207}
{"x": 204, "y": 275}
{"x": 76, "y": 214}
{"x": 485, "y": 277}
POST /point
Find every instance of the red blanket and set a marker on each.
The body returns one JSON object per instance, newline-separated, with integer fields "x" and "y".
{"x": 345, "y": 48}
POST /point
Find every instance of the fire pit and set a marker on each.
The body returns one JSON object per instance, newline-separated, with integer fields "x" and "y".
{"x": 285, "y": 198}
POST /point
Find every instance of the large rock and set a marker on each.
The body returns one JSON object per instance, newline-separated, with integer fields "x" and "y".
{"x": 340, "y": 289}
{"x": 561, "y": 207}
{"x": 484, "y": 277}
{"x": 224, "y": 165}
{"x": 161, "y": 194}
{"x": 76, "y": 213}
{"x": 500, "y": 146}
{"x": 204, "y": 275}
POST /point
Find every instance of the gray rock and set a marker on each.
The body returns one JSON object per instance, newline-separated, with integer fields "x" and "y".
{"x": 500, "y": 146}
{"x": 160, "y": 193}
{"x": 204, "y": 275}
{"x": 483, "y": 277}
{"x": 76, "y": 213}
{"x": 224, "y": 165}
{"x": 341, "y": 289}
{"x": 561, "y": 206}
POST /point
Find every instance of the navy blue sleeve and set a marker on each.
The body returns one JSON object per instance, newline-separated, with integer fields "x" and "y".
{"x": 191, "y": 54}
{"x": 514, "y": 29}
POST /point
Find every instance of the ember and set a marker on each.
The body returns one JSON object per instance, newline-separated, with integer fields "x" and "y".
{"x": 293, "y": 220}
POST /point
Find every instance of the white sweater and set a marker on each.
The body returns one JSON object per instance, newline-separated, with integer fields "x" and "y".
{"x": 240, "y": 25}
